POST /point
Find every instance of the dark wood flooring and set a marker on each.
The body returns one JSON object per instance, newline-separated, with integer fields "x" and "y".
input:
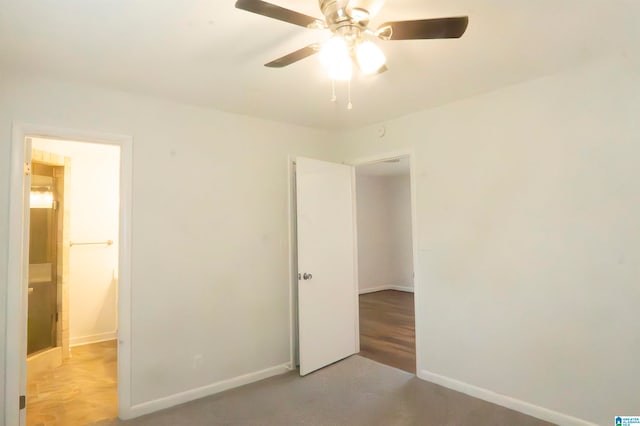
{"x": 387, "y": 328}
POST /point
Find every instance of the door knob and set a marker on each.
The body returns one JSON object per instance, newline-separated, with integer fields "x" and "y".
{"x": 306, "y": 276}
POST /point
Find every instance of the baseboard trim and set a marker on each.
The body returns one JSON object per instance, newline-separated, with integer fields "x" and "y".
{"x": 197, "y": 393}
{"x": 503, "y": 400}
{"x": 408, "y": 289}
{"x": 93, "y": 338}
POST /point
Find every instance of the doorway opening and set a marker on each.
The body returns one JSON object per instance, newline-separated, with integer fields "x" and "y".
{"x": 15, "y": 350}
{"x": 73, "y": 264}
{"x": 385, "y": 262}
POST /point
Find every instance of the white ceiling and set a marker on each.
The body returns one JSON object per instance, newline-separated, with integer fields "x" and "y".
{"x": 209, "y": 53}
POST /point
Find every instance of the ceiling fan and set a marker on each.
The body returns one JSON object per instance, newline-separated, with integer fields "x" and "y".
{"x": 351, "y": 43}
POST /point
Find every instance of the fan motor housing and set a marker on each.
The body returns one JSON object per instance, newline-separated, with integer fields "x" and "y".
{"x": 337, "y": 15}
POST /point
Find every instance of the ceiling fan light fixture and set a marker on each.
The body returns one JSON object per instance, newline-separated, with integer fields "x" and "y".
{"x": 342, "y": 71}
{"x": 348, "y": 21}
{"x": 370, "y": 57}
{"x": 334, "y": 56}
{"x": 385, "y": 32}
{"x": 360, "y": 15}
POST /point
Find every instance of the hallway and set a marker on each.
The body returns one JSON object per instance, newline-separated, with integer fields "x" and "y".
{"x": 387, "y": 328}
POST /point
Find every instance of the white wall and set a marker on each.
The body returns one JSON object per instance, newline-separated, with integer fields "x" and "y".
{"x": 92, "y": 199}
{"x": 384, "y": 232}
{"x": 210, "y": 228}
{"x": 528, "y": 201}
{"x": 401, "y": 229}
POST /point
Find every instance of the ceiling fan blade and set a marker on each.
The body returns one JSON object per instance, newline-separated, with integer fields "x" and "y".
{"x": 276, "y": 12}
{"x": 423, "y": 29}
{"x": 293, "y": 56}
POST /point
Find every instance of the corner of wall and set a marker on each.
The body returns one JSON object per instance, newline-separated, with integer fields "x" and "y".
{"x": 503, "y": 400}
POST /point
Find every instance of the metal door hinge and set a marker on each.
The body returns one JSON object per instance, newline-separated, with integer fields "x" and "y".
{"x": 23, "y": 402}
{"x": 27, "y": 169}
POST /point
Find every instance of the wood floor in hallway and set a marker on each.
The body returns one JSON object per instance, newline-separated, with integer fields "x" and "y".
{"x": 81, "y": 391}
{"x": 387, "y": 328}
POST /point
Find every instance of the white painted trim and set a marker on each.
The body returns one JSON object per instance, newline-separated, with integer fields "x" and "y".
{"x": 15, "y": 343}
{"x": 124, "y": 277}
{"x": 293, "y": 266}
{"x": 382, "y": 157}
{"x": 356, "y": 278}
{"x": 201, "y": 392}
{"x": 504, "y": 400}
{"x": 414, "y": 236}
{"x": 407, "y": 289}
{"x": 417, "y": 283}
{"x": 15, "y": 349}
{"x": 93, "y": 338}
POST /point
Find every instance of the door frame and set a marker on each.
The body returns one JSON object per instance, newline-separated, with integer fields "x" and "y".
{"x": 293, "y": 264}
{"x": 417, "y": 287}
{"x": 16, "y": 315}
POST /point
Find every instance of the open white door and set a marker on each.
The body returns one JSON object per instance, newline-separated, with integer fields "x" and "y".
{"x": 327, "y": 281}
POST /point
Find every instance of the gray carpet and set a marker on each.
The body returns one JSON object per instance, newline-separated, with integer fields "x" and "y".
{"x": 355, "y": 391}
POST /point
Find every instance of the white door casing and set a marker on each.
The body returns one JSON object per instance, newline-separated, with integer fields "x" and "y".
{"x": 327, "y": 263}
{"x": 16, "y": 316}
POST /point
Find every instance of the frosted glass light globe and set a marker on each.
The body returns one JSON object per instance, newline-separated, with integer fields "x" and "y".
{"x": 370, "y": 57}
{"x": 334, "y": 56}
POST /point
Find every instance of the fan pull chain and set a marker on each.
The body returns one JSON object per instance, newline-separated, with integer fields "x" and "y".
{"x": 333, "y": 93}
